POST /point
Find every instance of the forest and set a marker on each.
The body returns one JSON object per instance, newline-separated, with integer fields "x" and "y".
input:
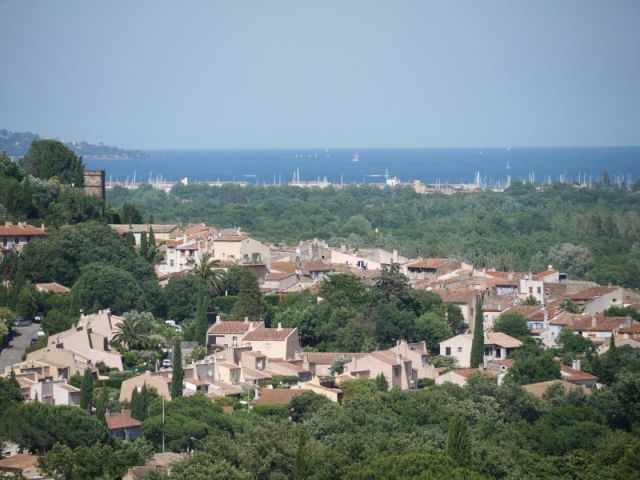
{"x": 588, "y": 233}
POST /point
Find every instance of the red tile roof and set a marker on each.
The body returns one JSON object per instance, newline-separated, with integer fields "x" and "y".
{"x": 573, "y": 375}
{"x": 596, "y": 323}
{"x": 276, "y": 396}
{"x": 121, "y": 420}
{"x": 230, "y": 327}
{"x": 327, "y": 358}
{"x": 632, "y": 330}
{"x": 266, "y": 334}
{"x": 592, "y": 292}
{"x": 457, "y": 295}
{"x": 21, "y": 231}
{"x": 433, "y": 263}
{"x": 546, "y": 273}
{"x": 540, "y": 388}
{"x": 467, "y": 372}
{"x": 18, "y": 462}
{"x": 277, "y": 276}
{"x": 52, "y": 287}
{"x": 317, "y": 266}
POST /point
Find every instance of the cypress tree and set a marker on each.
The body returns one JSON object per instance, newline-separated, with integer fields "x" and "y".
{"x": 130, "y": 240}
{"x": 381, "y": 383}
{"x": 458, "y": 446}
{"x": 102, "y": 404}
{"x": 612, "y": 343}
{"x": 86, "y": 390}
{"x": 177, "y": 376}
{"x": 151, "y": 252}
{"x": 477, "y": 346}
{"x": 144, "y": 402}
{"x": 144, "y": 245}
{"x": 301, "y": 470}
{"x": 135, "y": 404}
{"x": 202, "y": 322}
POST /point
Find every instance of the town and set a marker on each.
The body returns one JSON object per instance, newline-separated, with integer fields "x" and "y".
{"x": 259, "y": 362}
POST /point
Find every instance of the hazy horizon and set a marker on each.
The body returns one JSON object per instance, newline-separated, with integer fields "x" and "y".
{"x": 223, "y": 75}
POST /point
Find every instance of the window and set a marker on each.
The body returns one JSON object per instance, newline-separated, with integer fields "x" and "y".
{"x": 459, "y": 349}
{"x": 498, "y": 352}
{"x": 171, "y": 263}
{"x": 539, "y": 289}
{"x": 530, "y": 289}
{"x": 447, "y": 351}
{"x": 267, "y": 346}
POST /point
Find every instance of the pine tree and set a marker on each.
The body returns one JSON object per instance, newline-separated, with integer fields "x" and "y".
{"x": 250, "y": 302}
{"x": 202, "y": 322}
{"x": 381, "y": 383}
{"x": 458, "y": 446}
{"x": 86, "y": 390}
{"x": 144, "y": 245}
{"x": 102, "y": 404}
{"x": 477, "y": 347}
{"x": 178, "y": 372}
{"x": 612, "y": 343}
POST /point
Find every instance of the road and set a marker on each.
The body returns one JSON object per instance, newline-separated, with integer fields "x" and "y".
{"x": 21, "y": 340}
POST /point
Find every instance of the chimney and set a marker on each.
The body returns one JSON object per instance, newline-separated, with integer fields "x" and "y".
{"x": 550, "y": 267}
{"x": 576, "y": 365}
{"x": 593, "y": 321}
{"x": 218, "y": 320}
{"x": 246, "y": 319}
{"x": 42, "y": 227}
{"x": 8, "y": 224}
{"x": 279, "y": 325}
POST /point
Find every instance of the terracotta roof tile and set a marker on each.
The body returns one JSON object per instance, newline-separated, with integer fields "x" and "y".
{"x": 276, "y": 396}
{"x": 120, "y": 420}
{"x": 21, "y": 230}
{"x": 467, "y": 372}
{"x": 327, "y": 358}
{"x": 433, "y": 263}
{"x": 265, "y": 334}
{"x": 457, "y": 295}
{"x": 540, "y": 388}
{"x": 592, "y": 292}
{"x": 52, "y": 287}
{"x": 18, "y": 462}
{"x": 230, "y": 327}
{"x": 573, "y": 375}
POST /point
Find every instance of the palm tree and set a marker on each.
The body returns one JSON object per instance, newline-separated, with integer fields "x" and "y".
{"x": 133, "y": 332}
{"x": 208, "y": 270}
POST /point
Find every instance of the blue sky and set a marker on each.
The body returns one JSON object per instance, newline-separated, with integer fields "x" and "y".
{"x": 344, "y": 73}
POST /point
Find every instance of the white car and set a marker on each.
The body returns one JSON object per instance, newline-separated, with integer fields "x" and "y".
{"x": 40, "y": 333}
{"x": 166, "y": 363}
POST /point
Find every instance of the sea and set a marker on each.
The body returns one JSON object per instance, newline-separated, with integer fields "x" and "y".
{"x": 429, "y": 165}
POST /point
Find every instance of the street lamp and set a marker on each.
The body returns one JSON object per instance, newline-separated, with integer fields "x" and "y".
{"x": 204, "y": 447}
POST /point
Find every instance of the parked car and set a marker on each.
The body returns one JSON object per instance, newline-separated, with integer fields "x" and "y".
{"x": 39, "y": 316}
{"x": 166, "y": 363}
{"x": 40, "y": 333}
{"x": 22, "y": 322}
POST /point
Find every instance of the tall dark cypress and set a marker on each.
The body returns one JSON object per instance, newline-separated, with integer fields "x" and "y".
{"x": 86, "y": 390}
{"x": 458, "y": 445}
{"x": 177, "y": 376}
{"x": 477, "y": 346}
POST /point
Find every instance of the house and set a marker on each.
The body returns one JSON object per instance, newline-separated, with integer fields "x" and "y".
{"x": 317, "y": 270}
{"x": 227, "y": 334}
{"x": 319, "y": 363}
{"x": 279, "y": 342}
{"x": 160, "y": 464}
{"x": 275, "y": 396}
{"x": 465, "y": 298}
{"x": 598, "y": 327}
{"x": 52, "y": 288}
{"x": 162, "y": 233}
{"x": 240, "y": 248}
{"x": 122, "y": 425}
{"x": 493, "y": 307}
{"x": 575, "y": 375}
{"x": 15, "y": 237}
{"x": 365, "y": 258}
{"x": 394, "y": 367}
{"x": 530, "y": 287}
{"x": 22, "y": 465}
{"x": 550, "y": 275}
{"x": 280, "y": 281}
{"x": 459, "y": 377}
{"x": 539, "y": 389}
{"x": 55, "y": 392}
{"x": 597, "y": 299}
{"x": 161, "y": 381}
{"x": 497, "y": 345}
{"x": 430, "y": 268}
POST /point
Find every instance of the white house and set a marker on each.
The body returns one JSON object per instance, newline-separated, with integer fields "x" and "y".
{"x": 497, "y": 345}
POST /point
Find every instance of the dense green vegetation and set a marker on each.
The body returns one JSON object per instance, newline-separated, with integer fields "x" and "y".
{"x": 585, "y": 232}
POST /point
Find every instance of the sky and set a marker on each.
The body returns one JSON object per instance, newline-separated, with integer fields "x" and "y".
{"x": 155, "y": 74}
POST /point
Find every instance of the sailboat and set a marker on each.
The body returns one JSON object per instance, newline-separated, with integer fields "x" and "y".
{"x": 356, "y": 156}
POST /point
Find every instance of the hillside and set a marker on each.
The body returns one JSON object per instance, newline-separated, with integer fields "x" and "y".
{"x": 16, "y": 144}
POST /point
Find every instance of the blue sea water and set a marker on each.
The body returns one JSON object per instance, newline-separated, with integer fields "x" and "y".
{"x": 427, "y": 165}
